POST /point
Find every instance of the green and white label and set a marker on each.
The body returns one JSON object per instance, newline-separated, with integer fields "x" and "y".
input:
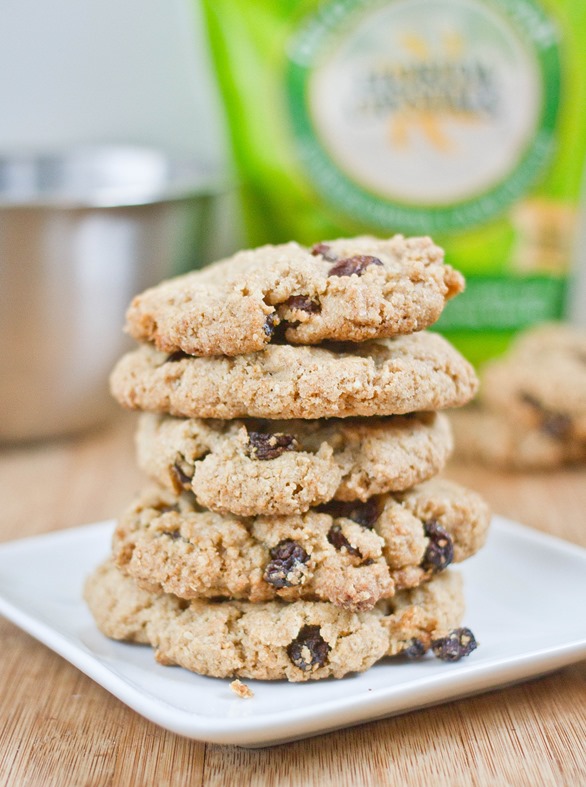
{"x": 424, "y": 115}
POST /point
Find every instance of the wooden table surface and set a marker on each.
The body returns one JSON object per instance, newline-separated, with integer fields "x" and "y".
{"x": 57, "y": 727}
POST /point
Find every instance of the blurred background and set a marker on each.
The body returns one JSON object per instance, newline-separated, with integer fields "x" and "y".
{"x": 108, "y": 71}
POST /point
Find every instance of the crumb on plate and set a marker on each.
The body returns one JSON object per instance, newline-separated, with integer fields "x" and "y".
{"x": 241, "y": 689}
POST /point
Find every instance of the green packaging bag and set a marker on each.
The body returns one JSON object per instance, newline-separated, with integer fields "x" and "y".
{"x": 461, "y": 119}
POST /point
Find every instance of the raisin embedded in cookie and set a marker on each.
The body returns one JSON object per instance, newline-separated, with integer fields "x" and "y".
{"x": 351, "y": 554}
{"x": 420, "y": 372}
{"x": 285, "y": 467}
{"x": 343, "y": 290}
{"x": 302, "y": 641}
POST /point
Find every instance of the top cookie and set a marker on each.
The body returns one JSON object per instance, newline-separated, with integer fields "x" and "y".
{"x": 344, "y": 290}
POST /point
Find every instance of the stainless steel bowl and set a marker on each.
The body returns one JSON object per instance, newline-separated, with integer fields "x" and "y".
{"x": 80, "y": 234}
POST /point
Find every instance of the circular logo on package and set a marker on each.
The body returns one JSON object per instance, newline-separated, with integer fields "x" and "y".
{"x": 424, "y": 115}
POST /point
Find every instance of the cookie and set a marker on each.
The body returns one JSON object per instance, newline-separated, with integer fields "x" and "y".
{"x": 490, "y": 438}
{"x": 351, "y": 554}
{"x": 286, "y": 467}
{"x": 344, "y": 290}
{"x": 541, "y": 383}
{"x": 301, "y": 641}
{"x": 386, "y": 377}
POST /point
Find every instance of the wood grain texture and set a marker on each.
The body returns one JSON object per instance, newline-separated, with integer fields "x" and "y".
{"x": 57, "y": 727}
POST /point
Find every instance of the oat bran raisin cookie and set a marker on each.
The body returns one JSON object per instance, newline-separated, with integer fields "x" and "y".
{"x": 489, "y": 437}
{"x": 419, "y": 372}
{"x": 286, "y": 467}
{"x": 541, "y": 383}
{"x": 344, "y": 290}
{"x": 271, "y": 641}
{"x": 351, "y": 554}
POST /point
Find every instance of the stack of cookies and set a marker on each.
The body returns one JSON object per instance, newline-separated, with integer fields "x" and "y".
{"x": 531, "y": 410}
{"x": 293, "y": 527}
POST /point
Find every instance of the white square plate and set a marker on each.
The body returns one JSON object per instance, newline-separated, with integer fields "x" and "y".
{"x": 526, "y": 596}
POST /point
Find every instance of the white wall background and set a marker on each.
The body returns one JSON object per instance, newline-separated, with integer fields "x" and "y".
{"x": 124, "y": 71}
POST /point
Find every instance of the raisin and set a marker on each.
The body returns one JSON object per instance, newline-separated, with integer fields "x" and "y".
{"x": 364, "y": 514}
{"x": 262, "y": 445}
{"x": 295, "y": 303}
{"x": 164, "y": 508}
{"x": 556, "y": 425}
{"x": 303, "y": 303}
{"x": 455, "y": 646}
{"x": 173, "y": 534}
{"x": 182, "y": 478}
{"x": 280, "y": 332}
{"x": 325, "y": 251}
{"x": 440, "y": 550}
{"x": 287, "y": 566}
{"x": 270, "y": 324}
{"x": 531, "y": 401}
{"x": 350, "y": 265}
{"x": 415, "y": 650}
{"x": 339, "y": 541}
{"x": 179, "y": 355}
{"x": 309, "y": 649}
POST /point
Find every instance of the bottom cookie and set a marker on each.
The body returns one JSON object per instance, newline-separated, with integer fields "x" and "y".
{"x": 300, "y": 641}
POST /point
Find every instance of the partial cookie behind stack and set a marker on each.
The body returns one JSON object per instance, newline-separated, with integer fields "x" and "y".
{"x": 531, "y": 409}
{"x": 293, "y": 530}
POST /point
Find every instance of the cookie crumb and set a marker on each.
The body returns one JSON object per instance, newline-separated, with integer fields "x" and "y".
{"x": 241, "y": 689}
